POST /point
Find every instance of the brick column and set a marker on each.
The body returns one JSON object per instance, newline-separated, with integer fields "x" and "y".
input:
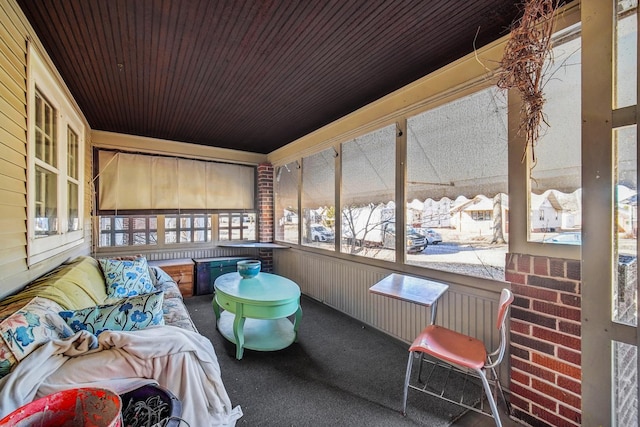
{"x": 265, "y": 213}
{"x": 545, "y": 340}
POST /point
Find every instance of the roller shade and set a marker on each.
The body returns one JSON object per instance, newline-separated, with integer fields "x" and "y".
{"x": 143, "y": 182}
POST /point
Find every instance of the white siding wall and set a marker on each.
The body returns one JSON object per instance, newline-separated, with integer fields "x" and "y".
{"x": 14, "y": 273}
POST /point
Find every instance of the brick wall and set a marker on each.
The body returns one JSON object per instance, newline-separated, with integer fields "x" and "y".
{"x": 545, "y": 340}
{"x": 265, "y": 213}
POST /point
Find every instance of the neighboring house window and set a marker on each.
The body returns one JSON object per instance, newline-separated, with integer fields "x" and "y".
{"x": 54, "y": 168}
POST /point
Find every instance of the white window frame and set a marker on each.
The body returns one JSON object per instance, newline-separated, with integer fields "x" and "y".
{"x": 41, "y": 78}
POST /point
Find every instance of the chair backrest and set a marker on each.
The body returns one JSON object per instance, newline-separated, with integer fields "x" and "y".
{"x": 506, "y": 298}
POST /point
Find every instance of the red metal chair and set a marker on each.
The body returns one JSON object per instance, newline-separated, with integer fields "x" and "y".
{"x": 464, "y": 353}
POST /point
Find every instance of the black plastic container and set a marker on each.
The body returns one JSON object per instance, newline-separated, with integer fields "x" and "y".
{"x": 150, "y": 402}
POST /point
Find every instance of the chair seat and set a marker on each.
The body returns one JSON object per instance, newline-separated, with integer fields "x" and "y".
{"x": 451, "y": 346}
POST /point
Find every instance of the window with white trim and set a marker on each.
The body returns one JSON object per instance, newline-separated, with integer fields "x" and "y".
{"x": 55, "y": 163}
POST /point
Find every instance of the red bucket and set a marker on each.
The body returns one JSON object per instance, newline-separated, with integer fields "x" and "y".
{"x": 78, "y": 407}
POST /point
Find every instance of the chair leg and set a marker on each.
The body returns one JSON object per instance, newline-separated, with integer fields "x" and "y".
{"x": 406, "y": 384}
{"x": 489, "y": 393}
{"x": 501, "y": 391}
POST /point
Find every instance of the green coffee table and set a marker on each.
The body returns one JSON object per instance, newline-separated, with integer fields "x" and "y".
{"x": 254, "y": 313}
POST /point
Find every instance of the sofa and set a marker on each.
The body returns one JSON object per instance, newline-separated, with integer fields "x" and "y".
{"x": 78, "y": 326}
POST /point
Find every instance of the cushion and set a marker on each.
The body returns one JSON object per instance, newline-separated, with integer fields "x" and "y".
{"x": 33, "y": 325}
{"x": 126, "y": 278}
{"x": 76, "y": 284}
{"x": 127, "y": 314}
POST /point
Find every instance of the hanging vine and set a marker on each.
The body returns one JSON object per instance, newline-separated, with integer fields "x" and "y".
{"x": 523, "y": 64}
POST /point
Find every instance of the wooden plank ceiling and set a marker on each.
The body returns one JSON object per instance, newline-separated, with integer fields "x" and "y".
{"x": 250, "y": 75}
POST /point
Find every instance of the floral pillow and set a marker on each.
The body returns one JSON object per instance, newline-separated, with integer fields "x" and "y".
{"x": 126, "y": 278}
{"x": 127, "y": 314}
{"x": 33, "y": 325}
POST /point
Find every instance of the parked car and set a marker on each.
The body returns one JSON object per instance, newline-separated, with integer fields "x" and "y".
{"x": 568, "y": 238}
{"x": 320, "y": 233}
{"x": 433, "y": 237}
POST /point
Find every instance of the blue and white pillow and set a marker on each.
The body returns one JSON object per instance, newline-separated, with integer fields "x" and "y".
{"x": 33, "y": 325}
{"x": 126, "y": 278}
{"x": 128, "y": 314}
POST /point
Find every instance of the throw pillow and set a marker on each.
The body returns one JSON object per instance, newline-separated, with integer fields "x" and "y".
{"x": 127, "y": 314}
{"x": 126, "y": 278}
{"x": 33, "y": 325}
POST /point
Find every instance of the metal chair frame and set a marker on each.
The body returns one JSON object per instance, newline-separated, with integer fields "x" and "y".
{"x": 440, "y": 344}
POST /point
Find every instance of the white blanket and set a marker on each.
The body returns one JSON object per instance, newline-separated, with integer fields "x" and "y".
{"x": 182, "y": 361}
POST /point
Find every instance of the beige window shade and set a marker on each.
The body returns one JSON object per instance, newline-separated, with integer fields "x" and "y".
{"x": 142, "y": 182}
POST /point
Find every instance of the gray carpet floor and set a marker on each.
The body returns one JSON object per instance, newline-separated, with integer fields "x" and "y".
{"x": 340, "y": 372}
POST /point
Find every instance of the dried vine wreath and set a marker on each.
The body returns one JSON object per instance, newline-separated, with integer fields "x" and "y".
{"x": 522, "y": 66}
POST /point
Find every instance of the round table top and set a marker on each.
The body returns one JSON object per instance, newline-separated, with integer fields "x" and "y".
{"x": 265, "y": 287}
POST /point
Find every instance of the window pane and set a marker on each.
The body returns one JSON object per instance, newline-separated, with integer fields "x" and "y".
{"x": 368, "y": 194}
{"x": 46, "y": 145}
{"x": 286, "y": 198}
{"x": 625, "y": 386}
{"x": 170, "y": 222}
{"x": 72, "y": 213}
{"x": 555, "y": 171}
{"x": 46, "y": 202}
{"x": 72, "y": 154}
{"x": 139, "y": 223}
{"x": 457, "y": 203}
{"x": 139, "y": 239}
{"x": 121, "y": 223}
{"x": 170, "y": 237}
{"x": 626, "y": 70}
{"x": 626, "y": 245}
{"x": 318, "y": 199}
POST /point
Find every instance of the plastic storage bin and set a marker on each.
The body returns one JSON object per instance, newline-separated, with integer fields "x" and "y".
{"x": 150, "y": 405}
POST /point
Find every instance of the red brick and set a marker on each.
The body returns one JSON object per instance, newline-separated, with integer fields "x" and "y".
{"x": 569, "y": 384}
{"x": 556, "y": 337}
{"x": 573, "y": 270}
{"x": 553, "y": 283}
{"x": 559, "y": 394}
{"x": 555, "y": 310}
{"x": 521, "y": 378}
{"x": 574, "y": 357}
{"x": 521, "y": 302}
{"x": 572, "y": 300}
{"x": 556, "y": 267}
{"x": 521, "y": 327}
{"x": 516, "y": 401}
{"x": 534, "y": 371}
{"x": 532, "y": 343}
{"x": 551, "y": 417}
{"x": 524, "y": 263}
{"x": 570, "y": 328}
{"x": 535, "y": 292}
{"x": 510, "y": 261}
{"x": 512, "y": 277}
{"x": 533, "y": 318}
{"x": 533, "y": 396}
{"x": 541, "y": 266}
{"x": 571, "y": 414}
{"x": 556, "y": 365}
